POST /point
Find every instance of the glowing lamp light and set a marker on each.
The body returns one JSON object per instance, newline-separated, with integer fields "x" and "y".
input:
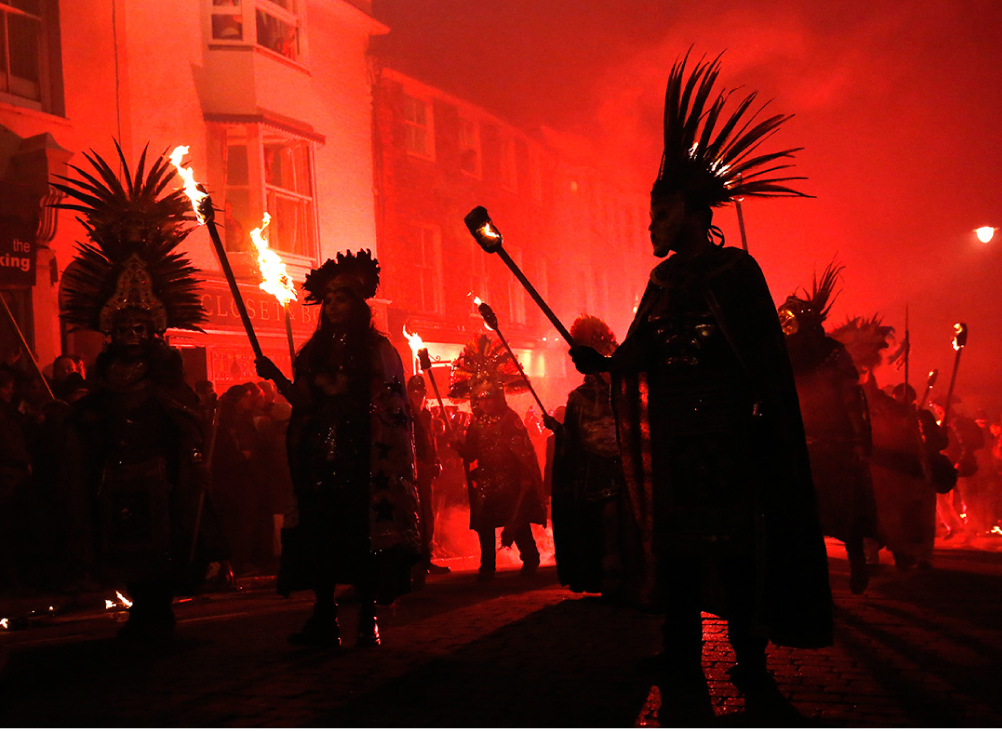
{"x": 985, "y": 233}
{"x": 188, "y": 176}
{"x": 275, "y": 280}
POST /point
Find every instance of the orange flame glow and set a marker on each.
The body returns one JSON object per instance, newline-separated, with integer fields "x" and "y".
{"x": 477, "y": 301}
{"x": 190, "y": 185}
{"x": 5, "y": 623}
{"x": 275, "y": 280}
{"x": 414, "y": 340}
{"x": 126, "y": 602}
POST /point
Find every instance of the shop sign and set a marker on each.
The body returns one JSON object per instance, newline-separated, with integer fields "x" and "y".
{"x": 17, "y": 259}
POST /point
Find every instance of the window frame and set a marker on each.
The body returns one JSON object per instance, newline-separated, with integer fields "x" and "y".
{"x": 247, "y": 11}
{"x": 471, "y": 143}
{"x": 255, "y": 138}
{"x": 408, "y": 124}
{"x": 432, "y": 270}
{"x": 48, "y": 98}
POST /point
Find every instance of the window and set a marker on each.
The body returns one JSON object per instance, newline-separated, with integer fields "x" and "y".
{"x": 271, "y": 170}
{"x": 509, "y": 176}
{"x": 276, "y": 25}
{"x": 418, "y": 130}
{"x": 426, "y": 253}
{"x": 29, "y": 53}
{"x": 469, "y": 147}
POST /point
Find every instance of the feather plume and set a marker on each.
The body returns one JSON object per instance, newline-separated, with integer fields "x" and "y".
{"x": 484, "y": 360}
{"x": 713, "y": 166}
{"x": 864, "y": 339}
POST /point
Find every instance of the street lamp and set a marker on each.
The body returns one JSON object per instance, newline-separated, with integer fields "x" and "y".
{"x": 985, "y": 233}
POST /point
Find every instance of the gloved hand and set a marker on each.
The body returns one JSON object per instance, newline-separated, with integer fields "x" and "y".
{"x": 589, "y": 361}
{"x": 267, "y": 369}
{"x": 552, "y": 423}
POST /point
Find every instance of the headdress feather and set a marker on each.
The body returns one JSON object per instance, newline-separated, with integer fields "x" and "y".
{"x": 484, "y": 360}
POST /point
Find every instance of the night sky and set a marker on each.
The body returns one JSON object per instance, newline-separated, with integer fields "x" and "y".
{"x": 898, "y": 108}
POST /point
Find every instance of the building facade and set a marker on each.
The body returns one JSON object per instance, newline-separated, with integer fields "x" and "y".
{"x": 273, "y": 98}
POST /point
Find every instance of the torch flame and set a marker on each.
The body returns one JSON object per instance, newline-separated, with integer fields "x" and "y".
{"x": 997, "y": 530}
{"x": 414, "y": 340}
{"x": 488, "y": 230}
{"x": 275, "y": 280}
{"x": 188, "y": 176}
{"x": 5, "y": 623}
{"x": 477, "y": 301}
{"x": 126, "y": 602}
{"x": 109, "y": 604}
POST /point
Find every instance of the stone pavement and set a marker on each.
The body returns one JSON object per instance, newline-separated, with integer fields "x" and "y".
{"x": 915, "y": 650}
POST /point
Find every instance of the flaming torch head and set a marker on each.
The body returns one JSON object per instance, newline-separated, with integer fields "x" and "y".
{"x": 275, "y": 280}
{"x": 199, "y": 198}
{"x": 478, "y": 221}
{"x": 418, "y": 349}
{"x": 959, "y": 336}
{"x": 487, "y": 313}
{"x": 933, "y": 375}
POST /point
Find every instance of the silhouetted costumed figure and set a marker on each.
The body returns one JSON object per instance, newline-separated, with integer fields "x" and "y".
{"x": 905, "y": 463}
{"x": 505, "y": 482}
{"x": 136, "y": 439}
{"x": 428, "y": 469}
{"x": 718, "y": 482}
{"x": 351, "y": 456}
{"x": 836, "y": 421}
{"x": 587, "y": 476}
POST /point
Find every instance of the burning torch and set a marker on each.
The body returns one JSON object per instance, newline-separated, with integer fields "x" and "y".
{"x": 202, "y": 204}
{"x": 492, "y": 322}
{"x": 933, "y": 375}
{"x": 487, "y": 235}
{"x": 959, "y": 341}
{"x": 275, "y": 280}
{"x": 424, "y": 362}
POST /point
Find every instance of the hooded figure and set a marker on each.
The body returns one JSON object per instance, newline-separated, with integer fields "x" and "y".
{"x": 351, "y": 456}
{"x": 718, "y": 483}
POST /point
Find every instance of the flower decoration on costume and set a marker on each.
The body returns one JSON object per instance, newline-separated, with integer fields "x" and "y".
{"x": 484, "y": 363}
{"x": 358, "y": 273}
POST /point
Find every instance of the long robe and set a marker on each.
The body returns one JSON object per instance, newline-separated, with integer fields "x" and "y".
{"x": 351, "y": 456}
{"x": 793, "y": 602}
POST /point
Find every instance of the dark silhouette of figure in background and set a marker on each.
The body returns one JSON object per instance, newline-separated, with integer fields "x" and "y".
{"x": 718, "y": 481}
{"x": 351, "y": 458}
{"x": 836, "y": 421}
{"x": 505, "y": 484}
{"x": 428, "y": 469}
{"x": 587, "y": 476}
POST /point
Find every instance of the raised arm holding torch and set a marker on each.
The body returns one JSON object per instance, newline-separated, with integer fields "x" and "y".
{"x": 202, "y": 204}
{"x": 959, "y": 341}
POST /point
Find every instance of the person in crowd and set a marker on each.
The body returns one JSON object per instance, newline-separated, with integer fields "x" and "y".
{"x": 718, "y": 481}
{"x": 506, "y": 485}
{"x": 953, "y": 509}
{"x": 587, "y": 476}
{"x": 836, "y": 423}
{"x": 136, "y": 440}
{"x": 15, "y": 477}
{"x": 351, "y": 458}
{"x": 428, "y": 469}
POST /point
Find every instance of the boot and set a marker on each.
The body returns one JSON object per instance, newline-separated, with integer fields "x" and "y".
{"x": 368, "y": 629}
{"x": 320, "y": 630}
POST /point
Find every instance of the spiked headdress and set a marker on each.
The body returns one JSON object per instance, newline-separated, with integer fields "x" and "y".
{"x": 711, "y": 165}
{"x": 811, "y": 310}
{"x": 484, "y": 361}
{"x": 588, "y": 330}
{"x": 864, "y": 339}
{"x": 356, "y": 272}
{"x": 129, "y": 262}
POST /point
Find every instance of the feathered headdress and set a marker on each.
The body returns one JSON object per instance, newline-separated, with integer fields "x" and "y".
{"x": 356, "y": 272}
{"x": 588, "y": 330}
{"x": 130, "y": 262}
{"x": 864, "y": 339}
{"x": 484, "y": 361}
{"x": 711, "y": 165}
{"x": 811, "y": 310}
